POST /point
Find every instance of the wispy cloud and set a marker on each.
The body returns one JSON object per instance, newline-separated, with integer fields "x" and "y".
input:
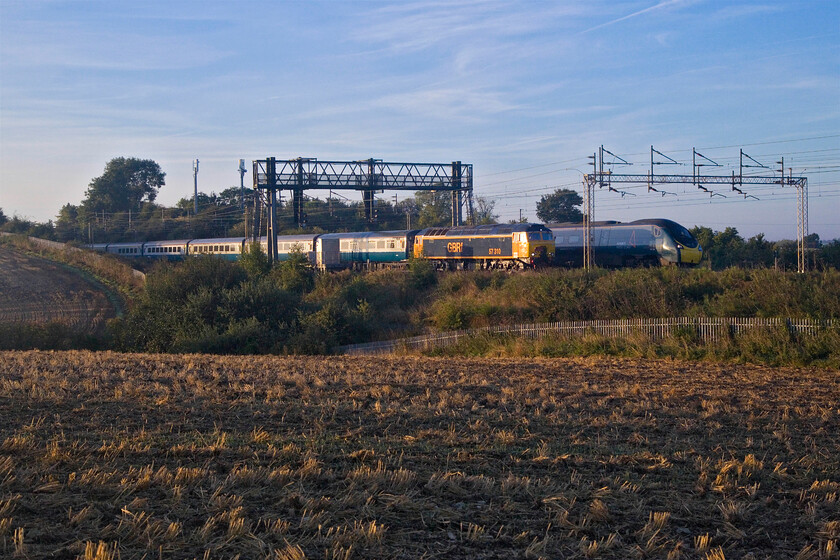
{"x": 743, "y": 10}
{"x": 71, "y": 44}
{"x": 660, "y": 6}
{"x": 442, "y": 103}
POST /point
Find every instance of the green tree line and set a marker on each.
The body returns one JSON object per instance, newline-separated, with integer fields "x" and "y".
{"x": 120, "y": 206}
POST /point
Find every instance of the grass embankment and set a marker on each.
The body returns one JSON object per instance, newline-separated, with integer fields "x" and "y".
{"x": 767, "y": 346}
{"x": 478, "y": 300}
{"x": 211, "y": 306}
{"x": 105, "y": 274}
{"x": 132, "y": 456}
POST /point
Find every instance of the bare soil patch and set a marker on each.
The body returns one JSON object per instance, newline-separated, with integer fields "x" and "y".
{"x": 37, "y": 290}
{"x": 142, "y": 456}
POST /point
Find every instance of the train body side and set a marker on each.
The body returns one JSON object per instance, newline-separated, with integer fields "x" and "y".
{"x": 174, "y": 250}
{"x": 372, "y": 249}
{"x": 228, "y": 248}
{"x": 486, "y": 247}
{"x": 617, "y": 244}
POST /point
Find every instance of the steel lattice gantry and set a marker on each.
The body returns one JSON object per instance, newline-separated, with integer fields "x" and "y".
{"x": 367, "y": 176}
{"x": 607, "y": 178}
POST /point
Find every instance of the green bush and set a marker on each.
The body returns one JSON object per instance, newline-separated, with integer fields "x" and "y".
{"x": 210, "y": 305}
{"x": 47, "y": 336}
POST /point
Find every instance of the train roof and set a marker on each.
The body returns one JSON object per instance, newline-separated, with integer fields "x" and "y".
{"x": 295, "y": 237}
{"x": 214, "y": 240}
{"x": 580, "y": 224}
{"x": 121, "y": 244}
{"x": 169, "y": 242}
{"x": 488, "y": 229}
{"x": 661, "y": 222}
{"x": 365, "y": 234}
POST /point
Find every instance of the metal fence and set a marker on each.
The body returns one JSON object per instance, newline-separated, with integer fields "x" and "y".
{"x": 704, "y": 329}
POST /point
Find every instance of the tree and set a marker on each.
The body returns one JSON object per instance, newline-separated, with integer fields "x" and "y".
{"x": 484, "y": 211}
{"x": 434, "y": 208}
{"x": 830, "y": 254}
{"x": 255, "y": 261}
{"x": 125, "y": 184}
{"x": 67, "y": 223}
{"x": 295, "y": 274}
{"x": 3, "y": 218}
{"x": 559, "y": 206}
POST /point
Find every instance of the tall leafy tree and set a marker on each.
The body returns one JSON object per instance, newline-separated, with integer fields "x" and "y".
{"x": 67, "y": 224}
{"x": 484, "y": 211}
{"x": 125, "y": 185}
{"x": 434, "y": 208}
{"x": 560, "y": 206}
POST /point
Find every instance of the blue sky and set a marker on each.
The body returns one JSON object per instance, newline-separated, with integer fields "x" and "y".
{"x": 524, "y": 91}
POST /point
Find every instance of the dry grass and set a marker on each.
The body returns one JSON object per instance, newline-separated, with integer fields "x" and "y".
{"x": 109, "y": 456}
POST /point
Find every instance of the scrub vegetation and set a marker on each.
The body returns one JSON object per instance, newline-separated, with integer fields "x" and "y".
{"x": 208, "y": 305}
{"x": 107, "y": 455}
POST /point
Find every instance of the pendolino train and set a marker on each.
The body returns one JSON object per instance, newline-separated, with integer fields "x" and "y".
{"x": 648, "y": 242}
{"x": 499, "y": 246}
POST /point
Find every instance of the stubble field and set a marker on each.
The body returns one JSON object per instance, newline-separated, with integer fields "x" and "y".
{"x": 106, "y": 455}
{"x": 37, "y": 290}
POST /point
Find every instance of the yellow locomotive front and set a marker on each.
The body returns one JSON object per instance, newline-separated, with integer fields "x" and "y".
{"x": 535, "y": 246}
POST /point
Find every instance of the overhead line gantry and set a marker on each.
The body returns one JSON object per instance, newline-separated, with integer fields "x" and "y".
{"x": 367, "y": 176}
{"x": 606, "y": 178}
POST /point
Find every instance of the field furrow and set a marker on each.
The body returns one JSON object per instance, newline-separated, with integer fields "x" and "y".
{"x": 36, "y": 290}
{"x": 342, "y": 457}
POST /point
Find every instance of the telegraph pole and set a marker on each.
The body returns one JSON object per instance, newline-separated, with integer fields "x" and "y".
{"x": 195, "y": 186}
{"x": 242, "y": 172}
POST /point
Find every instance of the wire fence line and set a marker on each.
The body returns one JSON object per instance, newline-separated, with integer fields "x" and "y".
{"x": 705, "y": 329}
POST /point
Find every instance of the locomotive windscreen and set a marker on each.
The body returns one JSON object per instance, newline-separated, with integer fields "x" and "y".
{"x": 682, "y": 235}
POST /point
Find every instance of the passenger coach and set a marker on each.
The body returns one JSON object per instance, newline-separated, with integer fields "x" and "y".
{"x": 368, "y": 249}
